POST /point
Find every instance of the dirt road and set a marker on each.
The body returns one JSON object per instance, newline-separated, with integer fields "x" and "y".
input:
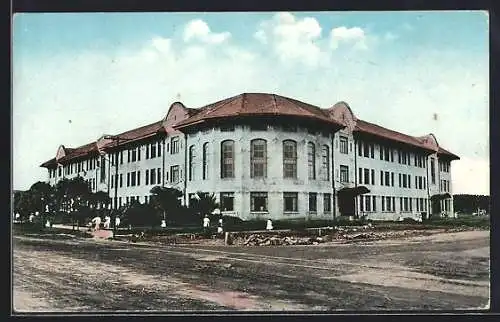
{"x": 438, "y": 272}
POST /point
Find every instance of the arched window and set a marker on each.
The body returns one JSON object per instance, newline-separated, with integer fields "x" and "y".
{"x": 311, "y": 160}
{"x": 289, "y": 159}
{"x": 325, "y": 162}
{"x": 227, "y": 159}
{"x": 258, "y": 158}
{"x": 191, "y": 162}
{"x": 205, "y": 161}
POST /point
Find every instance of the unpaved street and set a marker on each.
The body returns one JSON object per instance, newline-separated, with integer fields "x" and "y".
{"x": 442, "y": 272}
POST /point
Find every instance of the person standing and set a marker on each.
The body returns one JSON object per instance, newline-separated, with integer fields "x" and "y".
{"x": 206, "y": 225}
{"x": 269, "y": 225}
{"x": 97, "y": 222}
{"x": 220, "y": 228}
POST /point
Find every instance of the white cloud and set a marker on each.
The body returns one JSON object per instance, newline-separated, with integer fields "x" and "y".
{"x": 292, "y": 40}
{"x": 199, "y": 30}
{"x": 342, "y": 35}
{"x": 109, "y": 92}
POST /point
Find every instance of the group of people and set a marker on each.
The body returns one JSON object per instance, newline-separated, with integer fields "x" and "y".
{"x": 220, "y": 226}
{"x": 96, "y": 223}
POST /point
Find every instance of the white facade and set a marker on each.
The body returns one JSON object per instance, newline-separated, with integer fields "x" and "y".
{"x": 257, "y": 186}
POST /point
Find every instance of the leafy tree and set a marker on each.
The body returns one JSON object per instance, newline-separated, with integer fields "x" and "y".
{"x": 205, "y": 204}
{"x": 41, "y": 195}
{"x": 166, "y": 201}
{"x": 137, "y": 214}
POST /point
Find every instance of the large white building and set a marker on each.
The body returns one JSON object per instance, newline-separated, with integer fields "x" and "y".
{"x": 269, "y": 156}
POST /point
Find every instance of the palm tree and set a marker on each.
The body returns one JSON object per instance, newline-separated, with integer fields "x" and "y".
{"x": 166, "y": 200}
{"x": 204, "y": 203}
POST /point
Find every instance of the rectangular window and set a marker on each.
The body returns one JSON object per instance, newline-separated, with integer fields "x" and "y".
{"x": 383, "y": 203}
{"x": 343, "y": 144}
{"x": 132, "y": 178}
{"x": 325, "y": 161}
{"x": 290, "y": 201}
{"x": 433, "y": 171}
{"x": 121, "y": 180}
{"x": 392, "y": 179}
{"x": 409, "y": 181}
{"x": 400, "y": 181}
{"x": 121, "y": 157}
{"x": 327, "y": 202}
{"x": 381, "y": 152}
{"x": 152, "y": 176}
{"x": 134, "y": 155}
{"x": 387, "y": 183}
{"x": 381, "y": 177}
{"x": 128, "y": 179}
{"x": 405, "y": 184}
{"x": 372, "y": 150}
{"x": 147, "y": 151}
{"x": 367, "y": 176}
{"x": 128, "y": 156}
{"x": 313, "y": 202}
{"x": 174, "y": 174}
{"x": 344, "y": 173}
{"x": 360, "y": 175}
{"x": 227, "y": 201}
{"x": 138, "y": 153}
{"x": 368, "y": 205}
{"x": 138, "y": 178}
{"x": 147, "y": 177}
{"x": 374, "y": 203}
{"x": 366, "y": 149}
{"x": 174, "y": 145}
{"x": 258, "y": 201}
{"x": 373, "y": 176}
{"x": 152, "y": 150}
{"x": 258, "y": 159}
{"x": 361, "y": 204}
{"x": 389, "y": 204}
{"x": 386, "y": 157}
{"x": 158, "y": 175}
{"x": 159, "y": 149}
{"x": 227, "y": 159}
{"x": 424, "y": 183}
{"x": 360, "y": 148}
{"x": 289, "y": 159}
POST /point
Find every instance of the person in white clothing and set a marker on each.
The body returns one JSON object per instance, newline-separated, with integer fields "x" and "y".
{"x": 206, "y": 224}
{"x": 220, "y": 229}
{"x": 269, "y": 225}
{"x": 97, "y": 222}
{"x": 107, "y": 222}
{"x": 163, "y": 223}
{"x": 117, "y": 221}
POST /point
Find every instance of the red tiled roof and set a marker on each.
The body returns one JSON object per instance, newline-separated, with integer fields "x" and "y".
{"x": 257, "y": 104}
{"x": 131, "y": 135}
{"x": 374, "y": 129}
{"x": 51, "y": 162}
{"x": 139, "y": 133}
{"x": 72, "y": 153}
{"x": 447, "y": 153}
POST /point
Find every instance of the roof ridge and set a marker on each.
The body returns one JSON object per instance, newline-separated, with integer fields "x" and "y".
{"x": 388, "y": 129}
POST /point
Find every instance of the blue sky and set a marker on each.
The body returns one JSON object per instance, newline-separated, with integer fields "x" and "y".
{"x": 396, "y": 69}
